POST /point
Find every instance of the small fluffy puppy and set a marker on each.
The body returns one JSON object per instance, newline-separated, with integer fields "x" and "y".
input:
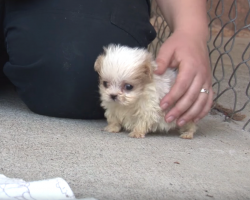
{"x": 131, "y": 92}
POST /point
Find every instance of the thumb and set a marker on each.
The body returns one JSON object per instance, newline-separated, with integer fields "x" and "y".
{"x": 163, "y": 60}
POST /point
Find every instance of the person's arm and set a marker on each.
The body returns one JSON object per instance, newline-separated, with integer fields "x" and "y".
{"x": 186, "y": 49}
{"x": 186, "y": 15}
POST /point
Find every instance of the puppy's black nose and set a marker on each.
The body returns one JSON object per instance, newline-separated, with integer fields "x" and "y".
{"x": 113, "y": 96}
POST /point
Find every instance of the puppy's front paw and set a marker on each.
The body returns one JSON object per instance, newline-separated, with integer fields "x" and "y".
{"x": 187, "y": 135}
{"x": 187, "y": 132}
{"x": 113, "y": 128}
{"x": 135, "y": 134}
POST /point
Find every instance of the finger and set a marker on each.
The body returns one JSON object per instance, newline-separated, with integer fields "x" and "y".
{"x": 186, "y": 101}
{"x": 194, "y": 110}
{"x": 207, "y": 107}
{"x": 163, "y": 60}
{"x": 183, "y": 81}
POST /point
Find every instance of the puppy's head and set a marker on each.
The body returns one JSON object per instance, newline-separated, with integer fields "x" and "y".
{"x": 124, "y": 73}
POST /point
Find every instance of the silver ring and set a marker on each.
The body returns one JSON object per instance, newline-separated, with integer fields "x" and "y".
{"x": 203, "y": 90}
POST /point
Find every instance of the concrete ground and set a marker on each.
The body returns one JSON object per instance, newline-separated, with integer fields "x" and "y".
{"x": 214, "y": 165}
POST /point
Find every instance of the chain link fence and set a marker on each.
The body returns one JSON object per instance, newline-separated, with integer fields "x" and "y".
{"x": 229, "y": 52}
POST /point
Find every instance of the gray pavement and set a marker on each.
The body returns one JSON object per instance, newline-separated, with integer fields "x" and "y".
{"x": 106, "y": 166}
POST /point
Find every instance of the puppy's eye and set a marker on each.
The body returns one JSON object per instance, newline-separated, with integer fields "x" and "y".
{"x": 105, "y": 84}
{"x": 128, "y": 87}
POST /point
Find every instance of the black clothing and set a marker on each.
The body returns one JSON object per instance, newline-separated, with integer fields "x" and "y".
{"x": 51, "y": 47}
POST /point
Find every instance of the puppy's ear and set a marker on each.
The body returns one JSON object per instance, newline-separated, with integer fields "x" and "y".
{"x": 99, "y": 60}
{"x": 148, "y": 69}
{"x": 98, "y": 63}
{"x": 105, "y": 49}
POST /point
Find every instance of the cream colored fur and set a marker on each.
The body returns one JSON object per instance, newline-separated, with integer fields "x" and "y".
{"x": 137, "y": 110}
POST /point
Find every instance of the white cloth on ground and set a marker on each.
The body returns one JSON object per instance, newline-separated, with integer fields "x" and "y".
{"x": 51, "y": 189}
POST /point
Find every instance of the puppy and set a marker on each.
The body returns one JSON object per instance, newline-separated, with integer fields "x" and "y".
{"x": 131, "y": 92}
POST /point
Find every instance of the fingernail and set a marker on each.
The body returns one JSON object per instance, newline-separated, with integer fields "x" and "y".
{"x": 170, "y": 119}
{"x": 181, "y": 123}
{"x": 164, "y": 106}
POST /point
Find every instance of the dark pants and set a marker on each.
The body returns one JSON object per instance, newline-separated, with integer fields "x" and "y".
{"x": 51, "y": 47}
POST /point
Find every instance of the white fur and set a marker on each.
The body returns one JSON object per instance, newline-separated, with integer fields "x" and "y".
{"x": 137, "y": 111}
{"x": 120, "y": 61}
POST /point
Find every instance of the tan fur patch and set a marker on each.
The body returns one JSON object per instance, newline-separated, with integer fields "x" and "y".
{"x": 98, "y": 63}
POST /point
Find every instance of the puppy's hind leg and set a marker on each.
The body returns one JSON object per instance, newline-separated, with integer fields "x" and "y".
{"x": 187, "y": 131}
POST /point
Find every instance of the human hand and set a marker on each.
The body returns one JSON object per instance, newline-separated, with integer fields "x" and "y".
{"x": 189, "y": 53}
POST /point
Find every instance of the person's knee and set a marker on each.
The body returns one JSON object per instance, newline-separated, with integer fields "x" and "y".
{"x": 51, "y": 62}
